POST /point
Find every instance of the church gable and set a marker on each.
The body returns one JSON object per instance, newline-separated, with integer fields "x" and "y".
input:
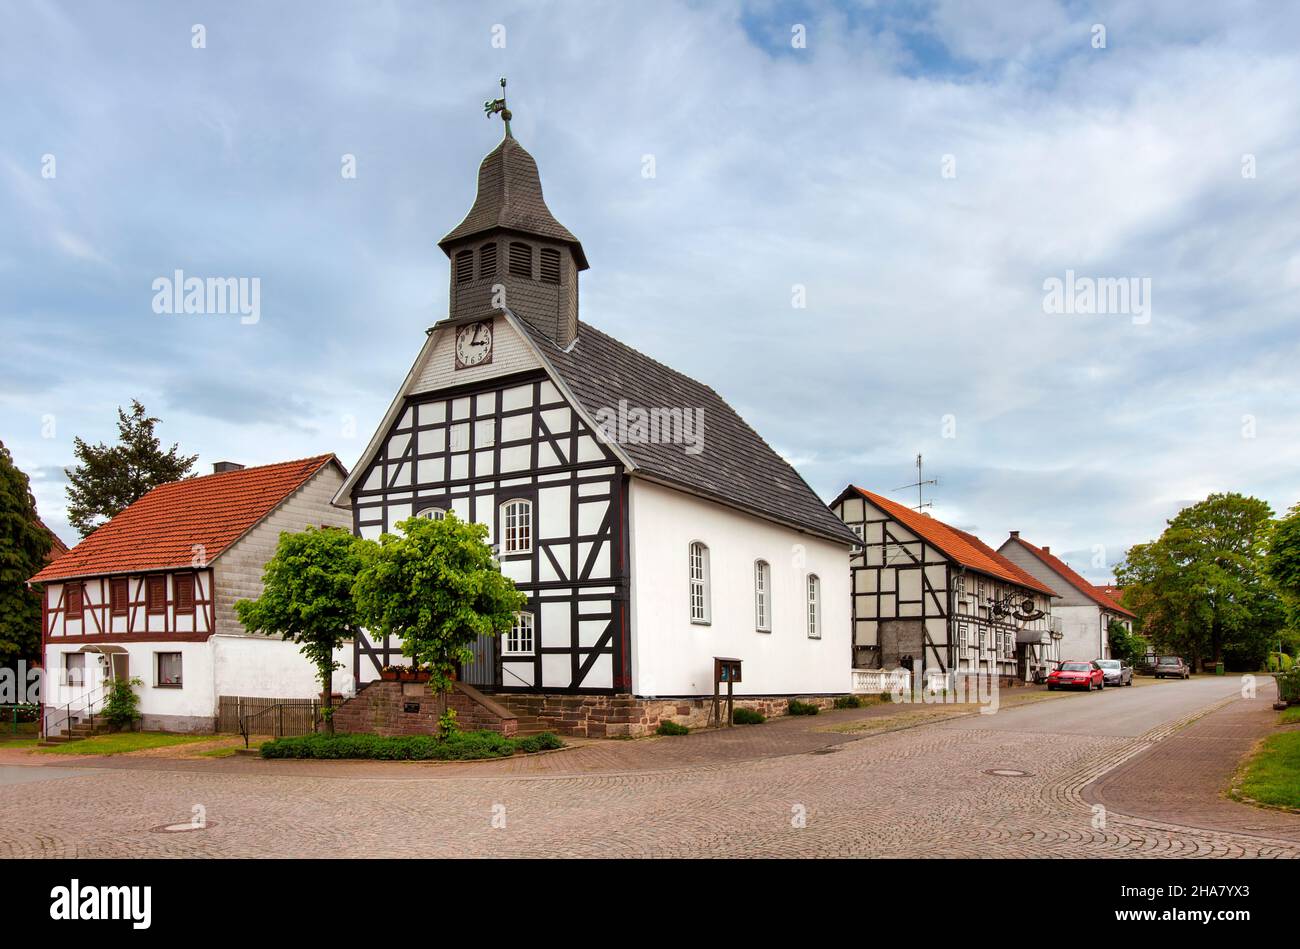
{"x": 509, "y": 354}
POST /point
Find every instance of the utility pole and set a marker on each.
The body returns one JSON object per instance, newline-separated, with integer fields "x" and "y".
{"x": 920, "y": 484}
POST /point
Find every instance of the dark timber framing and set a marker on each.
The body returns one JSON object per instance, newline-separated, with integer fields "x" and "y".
{"x": 470, "y": 449}
{"x": 900, "y": 578}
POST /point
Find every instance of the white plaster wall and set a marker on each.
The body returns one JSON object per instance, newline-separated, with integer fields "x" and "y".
{"x": 1083, "y": 632}
{"x": 194, "y": 702}
{"x": 672, "y": 656}
{"x": 266, "y": 667}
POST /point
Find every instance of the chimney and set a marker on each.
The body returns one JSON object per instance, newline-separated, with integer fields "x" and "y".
{"x": 1046, "y": 549}
{"x": 221, "y": 467}
{"x": 1015, "y": 535}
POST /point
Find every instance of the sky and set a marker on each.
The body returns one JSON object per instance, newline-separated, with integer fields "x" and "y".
{"x": 846, "y": 218}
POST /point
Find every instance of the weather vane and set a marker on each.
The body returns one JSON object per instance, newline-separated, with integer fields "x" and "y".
{"x": 492, "y": 106}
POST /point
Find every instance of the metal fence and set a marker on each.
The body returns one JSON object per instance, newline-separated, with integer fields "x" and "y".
{"x": 277, "y": 717}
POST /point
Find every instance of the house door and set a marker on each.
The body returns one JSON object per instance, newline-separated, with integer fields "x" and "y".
{"x": 481, "y": 671}
{"x": 121, "y": 665}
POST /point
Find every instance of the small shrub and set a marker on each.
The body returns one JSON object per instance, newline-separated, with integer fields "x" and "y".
{"x": 447, "y": 724}
{"x": 747, "y": 716}
{"x": 121, "y": 709}
{"x": 801, "y": 708}
{"x": 669, "y": 727}
{"x": 848, "y": 701}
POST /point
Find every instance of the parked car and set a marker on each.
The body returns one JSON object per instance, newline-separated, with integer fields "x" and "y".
{"x": 1116, "y": 672}
{"x": 1076, "y": 674}
{"x": 1171, "y": 666}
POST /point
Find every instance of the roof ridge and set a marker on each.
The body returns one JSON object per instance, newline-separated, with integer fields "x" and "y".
{"x": 911, "y": 519}
{"x": 235, "y": 471}
{"x": 1072, "y": 576}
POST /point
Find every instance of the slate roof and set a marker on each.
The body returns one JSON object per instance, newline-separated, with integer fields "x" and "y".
{"x": 966, "y": 549}
{"x": 736, "y": 465}
{"x": 160, "y": 530}
{"x": 1063, "y": 570}
{"x": 510, "y": 197}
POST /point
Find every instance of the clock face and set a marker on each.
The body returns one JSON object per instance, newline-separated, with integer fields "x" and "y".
{"x": 474, "y": 345}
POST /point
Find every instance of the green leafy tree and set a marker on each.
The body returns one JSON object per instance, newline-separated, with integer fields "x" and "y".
{"x": 307, "y": 598}
{"x": 437, "y": 588}
{"x": 24, "y": 545}
{"x": 1283, "y": 565}
{"x": 1200, "y": 589}
{"x": 1125, "y": 646}
{"x": 110, "y": 478}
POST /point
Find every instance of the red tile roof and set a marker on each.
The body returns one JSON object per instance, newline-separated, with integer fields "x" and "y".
{"x": 165, "y": 527}
{"x": 966, "y": 549}
{"x": 1110, "y": 591}
{"x": 1063, "y": 570}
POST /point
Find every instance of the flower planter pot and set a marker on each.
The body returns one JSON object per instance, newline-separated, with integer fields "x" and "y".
{"x": 388, "y": 676}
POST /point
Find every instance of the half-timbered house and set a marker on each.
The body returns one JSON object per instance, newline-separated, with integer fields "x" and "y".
{"x": 937, "y": 600}
{"x": 651, "y": 527}
{"x": 1084, "y": 612}
{"x": 151, "y": 594}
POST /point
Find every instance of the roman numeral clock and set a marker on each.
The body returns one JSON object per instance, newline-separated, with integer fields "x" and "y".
{"x": 474, "y": 345}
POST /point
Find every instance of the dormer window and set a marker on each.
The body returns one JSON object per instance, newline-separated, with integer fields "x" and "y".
{"x": 550, "y": 265}
{"x": 464, "y": 266}
{"x": 487, "y": 260}
{"x": 521, "y": 260}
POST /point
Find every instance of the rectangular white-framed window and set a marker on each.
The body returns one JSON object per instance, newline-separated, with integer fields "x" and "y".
{"x": 814, "y": 607}
{"x": 74, "y": 669}
{"x": 167, "y": 670}
{"x": 519, "y": 641}
{"x": 762, "y": 596}
{"x": 699, "y": 557}
{"x": 516, "y": 527}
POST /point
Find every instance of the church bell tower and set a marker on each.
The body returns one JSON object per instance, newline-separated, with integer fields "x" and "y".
{"x": 510, "y": 250}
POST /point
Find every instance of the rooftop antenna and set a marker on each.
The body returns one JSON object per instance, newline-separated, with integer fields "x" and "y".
{"x": 492, "y": 106}
{"x": 919, "y": 484}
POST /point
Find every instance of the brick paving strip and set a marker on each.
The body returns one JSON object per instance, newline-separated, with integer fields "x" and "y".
{"x": 1182, "y": 781}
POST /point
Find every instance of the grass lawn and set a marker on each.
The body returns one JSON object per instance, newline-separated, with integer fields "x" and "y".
{"x": 1273, "y": 775}
{"x": 1291, "y": 716}
{"x": 121, "y": 743}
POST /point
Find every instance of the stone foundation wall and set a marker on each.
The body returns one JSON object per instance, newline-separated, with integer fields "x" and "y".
{"x": 381, "y": 708}
{"x": 614, "y": 716}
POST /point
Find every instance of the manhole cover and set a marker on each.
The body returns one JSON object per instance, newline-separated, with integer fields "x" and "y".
{"x": 1008, "y": 773}
{"x": 183, "y": 827}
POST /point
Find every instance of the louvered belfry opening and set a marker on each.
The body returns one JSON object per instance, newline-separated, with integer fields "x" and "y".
{"x": 487, "y": 260}
{"x": 550, "y": 272}
{"x": 465, "y": 266}
{"x": 542, "y": 259}
{"x": 521, "y": 260}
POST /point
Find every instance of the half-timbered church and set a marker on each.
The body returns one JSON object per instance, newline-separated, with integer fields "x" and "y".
{"x": 651, "y": 527}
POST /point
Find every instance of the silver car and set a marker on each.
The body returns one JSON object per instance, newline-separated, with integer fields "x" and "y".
{"x": 1116, "y": 672}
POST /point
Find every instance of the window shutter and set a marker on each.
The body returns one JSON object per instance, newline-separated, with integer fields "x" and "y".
{"x": 155, "y": 599}
{"x": 183, "y": 583}
{"x": 118, "y": 596}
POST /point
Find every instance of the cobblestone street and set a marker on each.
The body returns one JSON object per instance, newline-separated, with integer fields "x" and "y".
{"x": 789, "y": 788}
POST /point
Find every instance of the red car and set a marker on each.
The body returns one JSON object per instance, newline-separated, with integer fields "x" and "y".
{"x": 1076, "y": 674}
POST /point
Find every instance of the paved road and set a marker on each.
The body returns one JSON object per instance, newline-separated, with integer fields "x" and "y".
{"x": 924, "y": 791}
{"x": 1120, "y": 712}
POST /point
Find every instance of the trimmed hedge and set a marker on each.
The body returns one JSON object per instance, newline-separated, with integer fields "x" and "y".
{"x": 747, "y": 716}
{"x": 801, "y": 708}
{"x": 462, "y": 746}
